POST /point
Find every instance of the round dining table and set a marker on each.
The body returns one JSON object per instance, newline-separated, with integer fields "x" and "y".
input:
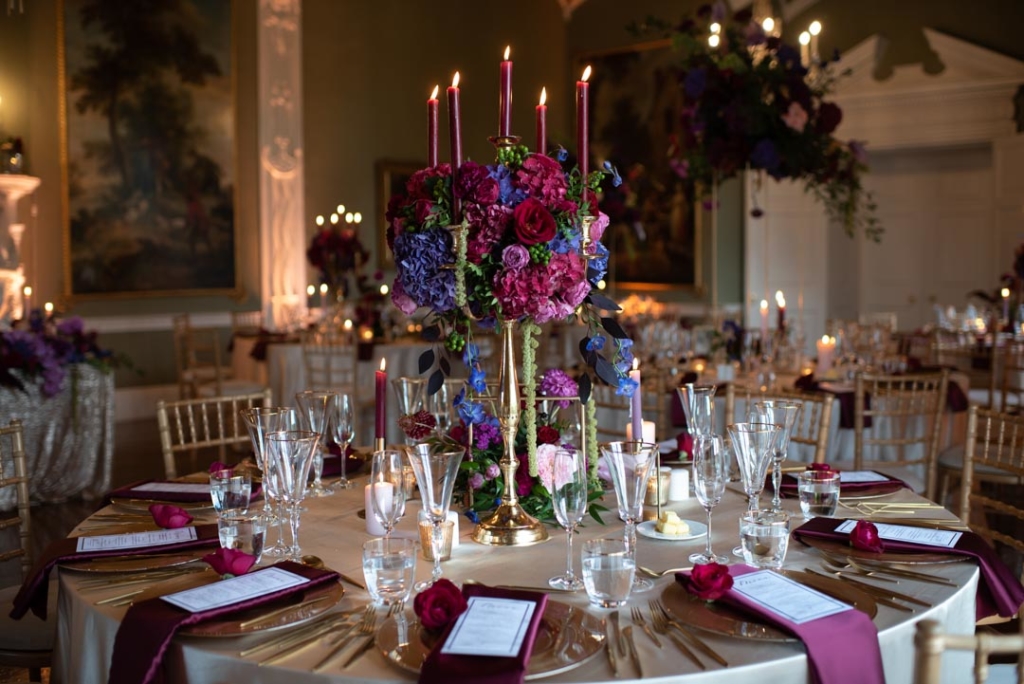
{"x": 334, "y": 530}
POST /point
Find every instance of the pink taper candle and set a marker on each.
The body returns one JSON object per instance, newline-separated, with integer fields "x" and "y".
{"x": 455, "y": 132}
{"x": 432, "y": 106}
{"x": 636, "y": 407}
{"x": 542, "y": 123}
{"x": 505, "y": 97}
{"x": 381, "y": 387}
{"x": 582, "y": 126}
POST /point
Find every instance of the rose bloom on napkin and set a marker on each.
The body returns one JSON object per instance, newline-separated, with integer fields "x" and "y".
{"x": 819, "y": 467}
{"x": 230, "y": 562}
{"x": 438, "y": 606}
{"x": 217, "y": 466}
{"x": 710, "y": 581}
{"x": 864, "y": 537}
{"x": 169, "y": 517}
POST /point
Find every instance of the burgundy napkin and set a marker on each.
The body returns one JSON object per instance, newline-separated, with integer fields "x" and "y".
{"x": 33, "y": 591}
{"x": 440, "y": 668}
{"x": 148, "y": 626}
{"x": 999, "y": 591}
{"x": 789, "y": 485}
{"x": 841, "y": 648}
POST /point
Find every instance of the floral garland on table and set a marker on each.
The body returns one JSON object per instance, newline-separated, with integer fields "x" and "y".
{"x": 520, "y": 260}
{"x": 750, "y": 103}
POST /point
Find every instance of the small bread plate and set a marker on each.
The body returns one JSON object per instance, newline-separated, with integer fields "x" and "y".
{"x": 650, "y": 529}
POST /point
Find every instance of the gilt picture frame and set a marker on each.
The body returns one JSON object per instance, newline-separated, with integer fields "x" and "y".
{"x": 391, "y": 178}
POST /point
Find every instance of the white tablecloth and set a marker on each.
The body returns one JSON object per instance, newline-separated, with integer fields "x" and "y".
{"x": 332, "y": 530}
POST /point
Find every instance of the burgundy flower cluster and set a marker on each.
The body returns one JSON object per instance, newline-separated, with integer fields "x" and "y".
{"x": 336, "y": 252}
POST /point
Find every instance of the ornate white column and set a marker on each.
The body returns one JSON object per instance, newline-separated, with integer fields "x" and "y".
{"x": 282, "y": 210}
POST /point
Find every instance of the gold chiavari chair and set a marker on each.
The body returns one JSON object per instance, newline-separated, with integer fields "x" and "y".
{"x": 331, "y": 362}
{"x": 246, "y": 322}
{"x": 201, "y": 372}
{"x": 1012, "y": 370}
{"x": 930, "y": 643}
{"x": 905, "y": 415}
{"x": 813, "y": 425}
{"x": 192, "y": 425}
{"x": 613, "y": 411}
{"x": 25, "y": 643}
{"x": 975, "y": 359}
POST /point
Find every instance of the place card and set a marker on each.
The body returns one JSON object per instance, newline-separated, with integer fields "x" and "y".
{"x": 786, "y": 598}
{"x": 235, "y": 590}
{"x": 172, "y": 488}
{"x": 136, "y": 540}
{"x": 490, "y": 627}
{"x": 853, "y": 476}
{"x": 913, "y": 535}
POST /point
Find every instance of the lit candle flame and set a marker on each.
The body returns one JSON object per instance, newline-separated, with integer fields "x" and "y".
{"x": 347, "y": 325}
{"x": 768, "y": 24}
{"x": 780, "y": 299}
{"x": 1005, "y": 292}
{"x": 357, "y": 217}
{"x": 433, "y": 95}
{"x": 320, "y": 220}
{"x": 455, "y": 80}
{"x": 815, "y": 28}
{"x": 825, "y": 339}
{"x": 714, "y": 40}
{"x": 28, "y": 291}
{"x": 311, "y": 290}
{"x": 805, "y": 38}
{"x": 636, "y": 363}
{"x": 586, "y": 74}
{"x": 340, "y": 210}
{"x": 543, "y": 96}
{"x": 323, "y": 288}
{"x": 49, "y": 307}
{"x": 334, "y": 219}
{"x": 383, "y": 363}
{"x": 508, "y": 51}
{"x": 764, "y": 305}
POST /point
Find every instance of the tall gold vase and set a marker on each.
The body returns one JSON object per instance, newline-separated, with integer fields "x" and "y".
{"x": 509, "y": 525}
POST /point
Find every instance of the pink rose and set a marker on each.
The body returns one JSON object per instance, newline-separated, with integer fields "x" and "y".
{"x": 230, "y": 562}
{"x": 218, "y": 466}
{"x": 438, "y": 606}
{"x": 533, "y": 222}
{"x": 400, "y": 299}
{"x": 865, "y": 537}
{"x": 169, "y": 517}
{"x": 709, "y": 582}
{"x": 599, "y": 226}
{"x": 819, "y": 467}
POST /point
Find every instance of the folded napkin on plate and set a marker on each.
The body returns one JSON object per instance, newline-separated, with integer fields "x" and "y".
{"x": 441, "y": 668}
{"x": 157, "y": 494}
{"x": 891, "y": 484}
{"x": 840, "y": 648}
{"x": 999, "y": 590}
{"x": 148, "y": 626}
{"x": 33, "y": 591}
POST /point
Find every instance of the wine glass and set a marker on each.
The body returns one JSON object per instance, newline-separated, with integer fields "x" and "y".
{"x": 783, "y": 413}
{"x": 387, "y": 493}
{"x": 293, "y": 453}
{"x": 313, "y": 411}
{"x": 261, "y": 421}
{"x": 753, "y": 444}
{"x": 699, "y": 408}
{"x": 436, "y": 470}
{"x": 630, "y": 465}
{"x": 410, "y": 393}
{"x": 342, "y": 425}
{"x": 710, "y": 475}
{"x": 569, "y": 486}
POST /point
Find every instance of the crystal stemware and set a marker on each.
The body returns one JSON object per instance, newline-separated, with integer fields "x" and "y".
{"x": 410, "y": 393}
{"x": 293, "y": 452}
{"x": 699, "y": 408}
{"x": 314, "y": 413}
{"x": 753, "y": 444}
{"x": 630, "y": 465}
{"x": 783, "y": 413}
{"x": 570, "y": 477}
{"x": 710, "y": 475}
{"x": 436, "y": 470}
{"x": 387, "y": 493}
{"x": 261, "y": 421}
{"x": 342, "y": 426}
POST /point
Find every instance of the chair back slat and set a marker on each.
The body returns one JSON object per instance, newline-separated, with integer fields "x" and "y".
{"x": 930, "y": 643}
{"x": 14, "y": 473}
{"x": 813, "y": 425}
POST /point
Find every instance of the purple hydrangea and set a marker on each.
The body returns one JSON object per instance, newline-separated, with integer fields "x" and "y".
{"x": 486, "y": 435}
{"x": 557, "y": 383}
{"x": 420, "y": 259}
{"x": 765, "y": 156}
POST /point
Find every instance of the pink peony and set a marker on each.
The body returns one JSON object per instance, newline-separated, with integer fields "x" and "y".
{"x": 230, "y": 562}
{"x": 795, "y": 117}
{"x": 401, "y": 300}
{"x": 553, "y": 472}
{"x": 169, "y": 517}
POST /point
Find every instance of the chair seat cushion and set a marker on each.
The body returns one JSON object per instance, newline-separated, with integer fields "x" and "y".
{"x": 953, "y": 459}
{"x": 29, "y": 633}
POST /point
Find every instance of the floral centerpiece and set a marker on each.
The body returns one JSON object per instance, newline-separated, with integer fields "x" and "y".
{"x": 337, "y": 253}
{"x": 749, "y": 102}
{"x": 47, "y": 349}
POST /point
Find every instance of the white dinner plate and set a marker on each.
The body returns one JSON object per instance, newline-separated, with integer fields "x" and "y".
{"x": 649, "y": 529}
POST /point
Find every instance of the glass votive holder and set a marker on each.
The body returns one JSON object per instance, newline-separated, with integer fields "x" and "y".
{"x": 409, "y": 482}
{"x": 242, "y": 531}
{"x": 447, "y": 532}
{"x": 607, "y": 572}
{"x": 658, "y": 487}
{"x": 819, "y": 492}
{"x": 230, "y": 490}
{"x": 764, "y": 538}
{"x": 389, "y": 568}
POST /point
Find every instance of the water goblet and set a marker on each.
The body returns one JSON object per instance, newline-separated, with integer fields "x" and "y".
{"x": 313, "y": 411}
{"x": 710, "y": 475}
{"x": 783, "y": 413}
{"x": 753, "y": 444}
{"x": 389, "y": 567}
{"x": 230, "y": 490}
{"x": 242, "y": 531}
{"x": 630, "y": 465}
{"x": 342, "y": 425}
{"x": 261, "y": 421}
{"x": 698, "y": 403}
{"x": 609, "y": 572}
{"x": 436, "y": 470}
{"x": 387, "y": 493}
{"x": 764, "y": 538}
{"x": 293, "y": 452}
{"x": 570, "y": 477}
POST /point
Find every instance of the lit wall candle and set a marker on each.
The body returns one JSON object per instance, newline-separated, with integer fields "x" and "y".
{"x": 542, "y": 123}
{"x": 780, "y": 301}
{"x": 432, "y": 105}
{"x": 505, "y": 97}
{"x": 582, "y": 123}
{"x": 805, "y": 50}
{"x": 26, "y": 302}
{"x": 636, "y": 407}
{"x": 764, "y": 320}
{"x": 826, "y": 353}
{"x": 381, "y": 386}
{"x": 1005, "y": 292}
{"x": 455, "y": 134}
{"x": 815, "y": 30}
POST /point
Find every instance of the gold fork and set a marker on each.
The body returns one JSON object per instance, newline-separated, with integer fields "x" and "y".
{"x": 363, "y": 627}
{"x": 657, "y": 605}
{"x": 661, "y": 627}
{"x": 641, "y": 622}
{"x": 396, "y": 609}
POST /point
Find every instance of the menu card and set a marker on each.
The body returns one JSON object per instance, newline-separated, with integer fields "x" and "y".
{"x": 490, "y": 627}
{"x": 176, "y": 487}
{"x": 852, "y": 476}
{"x": 786, "y": 598}
{"x": 913, "y": 535}
{"x": 235, "y": 590}
{"x": 135, "y": 540}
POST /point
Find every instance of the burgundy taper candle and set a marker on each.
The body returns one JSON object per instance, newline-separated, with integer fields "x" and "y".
{"x": 432, "y": 105}
{"x": 636, "y": 406}
{"x": 381, "y": 386}
{"x": 582, "y": 126}
{"x": 455, "y": 132}
{"x": 505, "y": 97}
{"x": 542, "y": 123}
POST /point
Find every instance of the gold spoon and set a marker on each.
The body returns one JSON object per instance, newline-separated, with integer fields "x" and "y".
{"x": 657, "y": 574}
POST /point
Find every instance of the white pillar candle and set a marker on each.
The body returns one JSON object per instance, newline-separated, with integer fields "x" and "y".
{"x": 373, "y": 526}
{"x": 826, "y": 351}
{"x": 679, "y": 484}
{"x": 648, "y": 431}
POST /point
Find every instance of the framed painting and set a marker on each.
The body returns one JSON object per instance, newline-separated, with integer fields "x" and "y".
{"x": 391, "y": 179}
{"x": 655, "y": 232}
{"x": 148, "y": 148}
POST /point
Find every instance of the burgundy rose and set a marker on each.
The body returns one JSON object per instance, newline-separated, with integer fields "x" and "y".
{"x": 819, "y": 467}
{"x": 217, "y": 466}
{"x": 524, "y": 483}
{"x": 534, "y": 223}
{"x": 547, "y": 435}
{"x": 709, "y": 582}
{"x": 438, "y": 606}
{"x": 230, "y": 562}
{"x": 458, "y": 433}
{"x": 684, "y": 442}
{"x": 422, "y": 210}
{"x": 865, "y": 537}
{"x": 169, "y": 517}
{"x": 829, "y": 117}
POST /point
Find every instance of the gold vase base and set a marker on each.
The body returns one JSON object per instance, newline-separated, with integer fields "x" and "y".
{"x": 510, "y": 525}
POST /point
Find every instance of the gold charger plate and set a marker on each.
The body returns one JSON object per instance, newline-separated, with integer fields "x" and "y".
{"x": 567, "y": 638}
{"x": 838, "y": 548}
{"x": 719, "y": 618}
{"x": 139, "y": 563}
{"x": 142, "y": 505}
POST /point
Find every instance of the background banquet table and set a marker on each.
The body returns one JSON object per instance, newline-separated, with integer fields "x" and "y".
{"x": 69, "y": 437}
{"x": 332, "y": 531}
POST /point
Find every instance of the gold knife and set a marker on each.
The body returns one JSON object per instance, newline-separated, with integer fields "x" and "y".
{"x": 359, "y": 651}
{"x": 628, "y": 633}
{"x": 611, "y": 645}
{"x": 878, "y": 597}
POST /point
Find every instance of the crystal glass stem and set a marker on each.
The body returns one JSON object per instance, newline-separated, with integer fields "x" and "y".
{"x": 707, "y": 550}
{"x": 293, "y": 519}
{"x": 777, "y": 482}
{"x": 570, "y": 574}
{"x": 436, "y": 548}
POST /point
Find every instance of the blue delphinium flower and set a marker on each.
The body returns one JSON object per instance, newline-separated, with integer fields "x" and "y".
{"x": 598, "y": 266}
{"x": 565, "y": 242}
{"x": 477, "y": 379}
{"x": 561, "y": 154}
{"x": 626, "y": 387}
{"x": 616, "y": 178}
{"x": 470, "y": 354}
{"x": 596, "y": 343}
{"x": 508, "y": 193}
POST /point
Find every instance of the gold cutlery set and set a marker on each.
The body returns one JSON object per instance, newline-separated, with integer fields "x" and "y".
{"x": 620, "y": 642}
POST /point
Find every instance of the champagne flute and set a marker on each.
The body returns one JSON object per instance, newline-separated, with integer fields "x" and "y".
{"x": 783, "y": 413}
{"x": 710, "y": 475}
{"x": 260, "y": 422}
{"x": 387, "y": 495}
{"x": 436, "y": 470}
{"x": 753, "y": 444}
{"x": 342, "y": 425}
{"x": 313, "y": 410}
{"x": 410, "y": 393}
{"x": 293, "y": 452}
{"x": 699, "y": 408}
{"x": 630, "y": 465}
{"x": 570, "y": 478}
